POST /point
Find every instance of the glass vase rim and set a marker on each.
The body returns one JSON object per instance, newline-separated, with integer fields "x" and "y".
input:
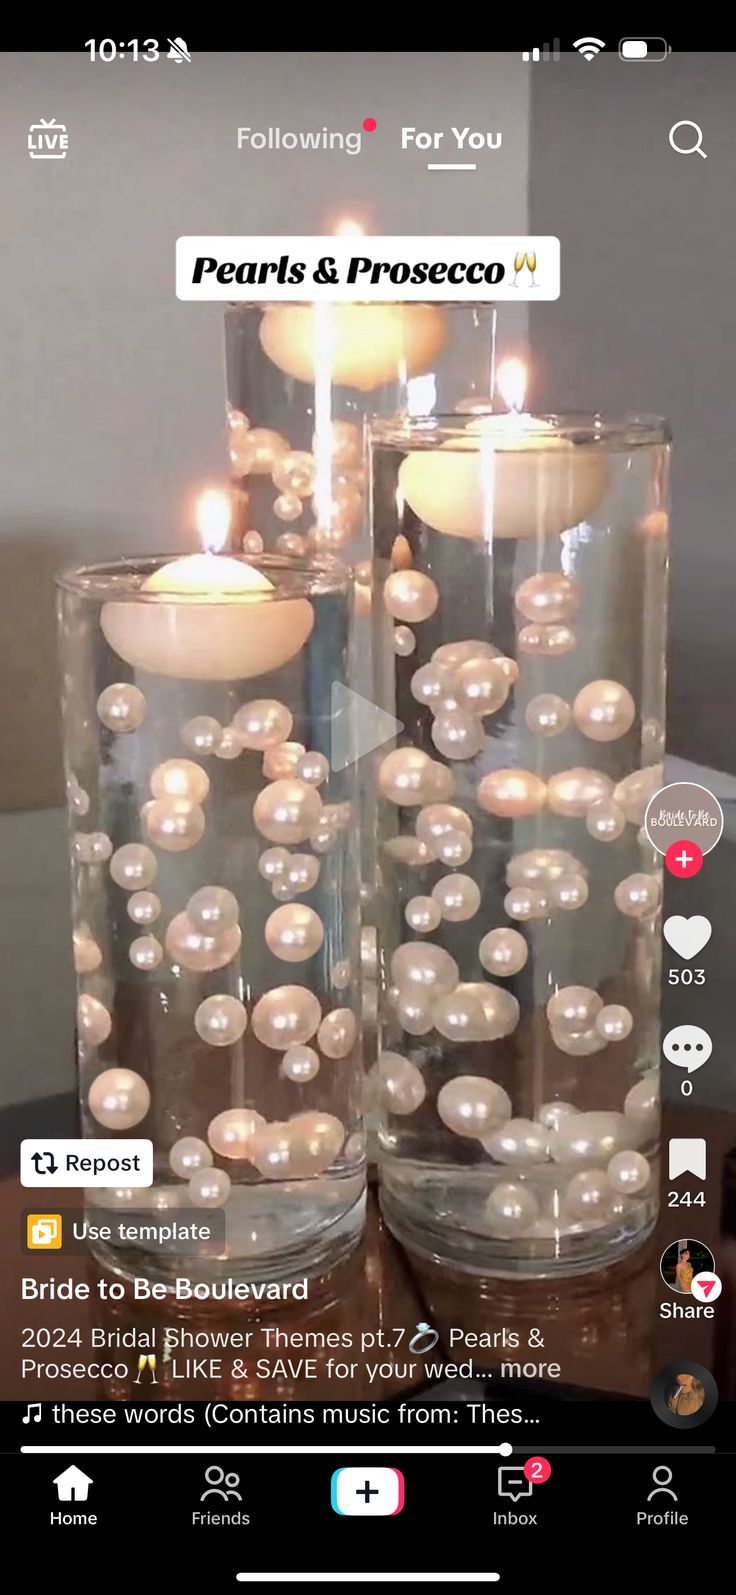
{"x": 122, "y": 579}
{"x": 625, "y": 430}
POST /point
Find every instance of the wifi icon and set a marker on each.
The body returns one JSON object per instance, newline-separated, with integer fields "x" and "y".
{"x": 589, "y": 47}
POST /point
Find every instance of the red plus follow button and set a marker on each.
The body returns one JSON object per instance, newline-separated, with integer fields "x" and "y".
{"x": 683, "y": 859}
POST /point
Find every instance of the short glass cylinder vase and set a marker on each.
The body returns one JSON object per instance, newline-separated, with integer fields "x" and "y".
{"x": 301, "y": 381}
{"x": 519, "y": 636}
{"x": 216, "y": 902}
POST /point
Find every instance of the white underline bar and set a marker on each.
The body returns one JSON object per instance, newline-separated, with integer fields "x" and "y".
{"x": 450, "y": 166}
{"x": 367, "y": 1578}
{"x": 266, "y": 1450}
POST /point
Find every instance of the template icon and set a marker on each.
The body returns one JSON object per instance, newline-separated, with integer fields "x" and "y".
{"x": 43, "y": 1232}
{"x": 367, "y": 1492}
{"x": 687, "y": 1155}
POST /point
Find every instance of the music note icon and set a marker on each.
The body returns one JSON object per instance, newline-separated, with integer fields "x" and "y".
{"x": 33, "y": 1411}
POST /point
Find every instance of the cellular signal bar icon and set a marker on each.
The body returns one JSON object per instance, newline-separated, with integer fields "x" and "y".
{"x": 547, "y": 52}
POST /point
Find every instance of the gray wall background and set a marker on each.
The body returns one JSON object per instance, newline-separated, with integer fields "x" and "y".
{"x": 111, "y": 404}
{"x": 646, "y": 321}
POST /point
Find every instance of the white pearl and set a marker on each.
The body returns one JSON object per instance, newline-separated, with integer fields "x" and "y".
{"x": 133, "y": 866}
{"x": 541, "y": 865}
{"x": 174, "y": 824}
{"x": 433, "y": 685}
{"x": 300, "y": 1064}
{"x": 189, "y": 1154}
{"x": 202, "y": 734}
{"x": 199, "y": 952}
{"x": 180, "y": 778}
{"x": 337, "y": 1033}
{"x": 500, "y": 1009}
{"x": 614, "y": 1022}
{"x": 313, "y": 768}
{"x": 453, "y": 848}
{"x": 633, "y": 793}
{"x": 286, "y": 1016}
{"x": 287, "y": 811}
{"x": 93, "y": 1020}
{"x": 294, "y": 933}
{"x": 589, "y": 1138}
{"x": 568, "y": 892}
{"x": 118, "y": 1098}
{"x": 434, "y": 822}
{"x": 230, "y": 1133}
{"x": 404, "y": 641}
{"x": 457, "y": 653}
{"x": 551, "y": 1114}
{"x": 272, "y": 863}
{"x": 121, "y": 707}
{"x": 87, "y": 954}
{"x": 220, "y": 1020}
{"x": 629, "y": 1173}
{"x": 440, "y": 783}
{"x": 252, "y": 543}
{"x": 424, "y": 967}
{"x": 301, "y": 873}
{"x": 604, "y": 711}
{"x": 341, "y": 974}
{"x": 525, "y": 902}
{"x": 457, "y": 897}
{"x": 510, "y": 794}
{"x": 503, "y": 951}
{"x": 481, "y": 686}
{"x": 459, "y": 1016}
{"x": 260, "y": 450}
{"x": 473, "y": 1106}
{"x": 77, "y": 798}
{"x": 457, "y": 734}
{"x": 213, "y": 909}
{"x": 209, "y": 1188}
{"x": 547, "y": 715}
{"x": 306, "y": 1145}
{"x": 402, "y": 1085}
{"x": 229, "y": 745}
{"x": 519, "y": 1142}
{"x": 572, "y": 792}
{"x": 638, "y": 896}
{"x": 145, "y": 952}
{"x": 510, "y": 1210}
{"x": 282, "y": 760}
{"x": 641, "y": 1105}
{"x": 548, "y": 597}
{"x": 403, "y": 775}
{"x": 294, "y": 472}
{"x": 589, "y": 1194}
{"x": 264, "y": 723}
{"x": 287, "y": 507}
{"x": 605, "y": 821}
{"x": 422, "y": 915}
{"x": 574, "y": 1008}
{"x": 578, "y": 1043}
{"x": 144, "y": 908}
{"x": 414, "y": 1012}
{"x": 546, "y": 642}
{"x": 410, "y": 596}
{"x": 408, "y": 850}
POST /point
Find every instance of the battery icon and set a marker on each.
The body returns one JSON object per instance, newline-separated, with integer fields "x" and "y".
{"x": 643, "y": 49}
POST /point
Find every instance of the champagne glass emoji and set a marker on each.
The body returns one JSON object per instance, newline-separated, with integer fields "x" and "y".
{"x": 531, "y": 261}
{"x": 142, "y": 1360}
{"x": 519, "y": 259}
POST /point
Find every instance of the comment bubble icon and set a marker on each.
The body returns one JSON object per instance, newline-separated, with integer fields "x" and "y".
{"x": 513, "y": 1483}
{"x": 687, "y": 1046}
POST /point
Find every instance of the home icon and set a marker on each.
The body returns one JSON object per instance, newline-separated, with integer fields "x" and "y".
{"x": 72, "y": 1484}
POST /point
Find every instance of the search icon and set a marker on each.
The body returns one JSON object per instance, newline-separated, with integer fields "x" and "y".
{"x": 688, "y": 148}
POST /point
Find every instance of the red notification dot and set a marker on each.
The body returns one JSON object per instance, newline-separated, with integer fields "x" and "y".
{"x": 537, "y": 1470}
{"x": 369, "y": 124}
{"x": 683, "y": 859}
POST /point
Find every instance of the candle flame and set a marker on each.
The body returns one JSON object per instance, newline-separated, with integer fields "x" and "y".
{"x": 511, "y": 384}
{"x": 213, "y": 518}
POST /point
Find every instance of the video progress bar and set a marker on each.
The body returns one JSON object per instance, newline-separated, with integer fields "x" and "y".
{"x": 503, "y": 1450}
{"x": 368, "y": 1578}
{"x": 452, "y": 166}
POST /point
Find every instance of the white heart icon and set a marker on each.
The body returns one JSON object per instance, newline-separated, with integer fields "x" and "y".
{"x": 687, "y": 936}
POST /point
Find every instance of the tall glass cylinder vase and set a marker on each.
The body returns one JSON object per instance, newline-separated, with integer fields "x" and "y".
{"x": 520, "y": 595}
{"x": 215, "y": 897}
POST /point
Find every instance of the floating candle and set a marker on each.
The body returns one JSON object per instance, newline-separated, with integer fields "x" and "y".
{"x": 369, "y": 344}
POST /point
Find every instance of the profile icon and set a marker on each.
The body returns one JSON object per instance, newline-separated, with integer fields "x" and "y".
{"x": 682, "y": 1261}
{"x": 684, "y": 1395}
